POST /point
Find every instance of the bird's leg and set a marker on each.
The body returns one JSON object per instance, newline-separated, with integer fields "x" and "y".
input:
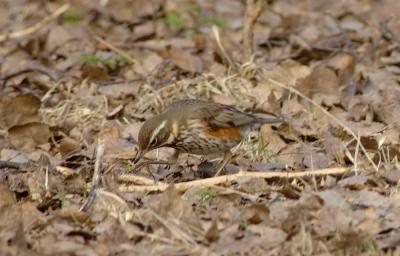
{"x": 225, "y": 160}
{"x": 171, "y": 161}
{"x": 150, "y": 172}
{"x": 174, "y": 158}
{"x": 173, "y": 164}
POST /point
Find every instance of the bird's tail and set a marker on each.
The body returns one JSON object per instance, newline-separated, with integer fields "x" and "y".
{"x": 269, "y": 119}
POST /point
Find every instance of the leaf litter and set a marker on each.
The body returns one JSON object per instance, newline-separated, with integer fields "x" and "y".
{"x": 324, "y": 182}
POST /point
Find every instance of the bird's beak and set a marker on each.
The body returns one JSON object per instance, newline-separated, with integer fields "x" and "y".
{"x": 139, "y": 156}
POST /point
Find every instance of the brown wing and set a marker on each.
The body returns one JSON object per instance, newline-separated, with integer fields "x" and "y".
{"x": 216, "y": 115}
{"x": 225, "y": 116}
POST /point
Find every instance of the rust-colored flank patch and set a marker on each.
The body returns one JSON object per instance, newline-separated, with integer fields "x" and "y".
{"x": 231, "y": 133}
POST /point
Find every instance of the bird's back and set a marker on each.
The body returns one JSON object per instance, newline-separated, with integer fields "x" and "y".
{"x": 216, "y": 115}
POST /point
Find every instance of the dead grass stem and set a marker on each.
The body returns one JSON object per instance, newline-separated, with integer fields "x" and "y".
{"x": 116, "y": 50}
{"x": 96, "y": 175}
{"x": 337, "y": 120}
{"x": 183, "y": 186}
{"x": 253, "y": 11}
{"x": 37, "y": 26}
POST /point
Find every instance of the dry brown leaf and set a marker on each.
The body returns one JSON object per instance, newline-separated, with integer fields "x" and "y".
{"x": 344, "y": 66}
{"x": 212, "y": 233}
{"x": 268, "y": 237}
{"x": 329, "y": 218}
{"x": 57, "y": 37}
{"x": 28, "y": 136}
{"x": 287, "y": 73}
{"x": 132, "y": 11}
{"x": 292, "y": 107}
{"x": 171, "y": 206}
{"x": 290, "y": 156}
{"x": 96, "y": 72}
{"x": 144, "y": 30}
{"x": 21, "y": 109}
{"x": 186, "y": 61}
{"x": 224, "y": 99}
{"x": 392, "y": 176}
{"x": 334, "y": 148}
{"x": 7, "y": 198}
{"x": 111, "y": 135}
{"x": 69, "y": 146}
{"x": 255, "y": 213}
{"x": 116, "y": 91}
{"x": 271, "y": 139}
{"x": 72, "y": 213}
{"x": 267, "y": 97}
{"x": 11, "y": 227}
{"x": 32, "y": 218}
{"x": 320, "y": 80}
{"x": 313, "y": 159}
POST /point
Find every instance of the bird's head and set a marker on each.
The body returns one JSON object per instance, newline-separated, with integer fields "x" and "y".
{"x": 154, "y": 133}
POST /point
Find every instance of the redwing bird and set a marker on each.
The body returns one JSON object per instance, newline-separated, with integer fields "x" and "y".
{"x": 198, "y": 127}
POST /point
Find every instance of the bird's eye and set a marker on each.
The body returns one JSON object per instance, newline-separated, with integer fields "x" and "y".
{"x": 153, "y": 142}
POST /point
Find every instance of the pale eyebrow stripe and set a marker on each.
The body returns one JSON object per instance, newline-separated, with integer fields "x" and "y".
{"x": 175, "y": 129}
{"x": 157, "y": 130}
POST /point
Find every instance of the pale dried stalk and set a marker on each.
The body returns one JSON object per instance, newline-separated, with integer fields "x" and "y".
{"x": 182, "y": 186}
{"x": 35, "y": 27}
{"x": 96, "y": 175}
{"x": 137, "y": 179}
{"x": 334, "y": 118}
{"x": 116, "y": 50}
{"x": 224, "y": 53}
{"x": 253, "y": 11}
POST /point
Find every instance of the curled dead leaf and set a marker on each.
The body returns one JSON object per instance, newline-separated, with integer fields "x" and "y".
{"x": 256, "y": 213}
{"x": 73, "y": 214}
{"x": 94, "y": 72}
{"x": 69, "y": 146}
{"x": 212, "y": 234}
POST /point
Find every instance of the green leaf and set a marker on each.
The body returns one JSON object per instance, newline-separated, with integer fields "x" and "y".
{"x": 217, "y": 21}
{"x": 73, "y": 16}
{"x": 190, "y": 32}
{"x": 206, "y": 194}
{"x": 173, "y": 19}
{"x": 89, "y": 58}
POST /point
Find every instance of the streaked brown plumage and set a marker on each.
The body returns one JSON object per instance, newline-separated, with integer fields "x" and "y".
{"x": 197, "y": 127}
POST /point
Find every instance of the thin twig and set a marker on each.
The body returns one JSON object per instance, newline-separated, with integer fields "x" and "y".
{"x": 149, "y": 235}
{"x": 174, "y": 229}
{"x": 13, "y": 165}
{"x": 31, "y": 66}
{"x": 36, "y": 27}
{"x": 253, "y": 11}
{"x": 356, "y": 152}
{"x": 337, "y": 120}
{"x": 231, "y": 178}
{"x": 140, "y": 180}
{"x": 96, "y": 175}
{"x": 101, "y": 192}
{"x": 115, "y": 49}
{"x": 224, "y": 53}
